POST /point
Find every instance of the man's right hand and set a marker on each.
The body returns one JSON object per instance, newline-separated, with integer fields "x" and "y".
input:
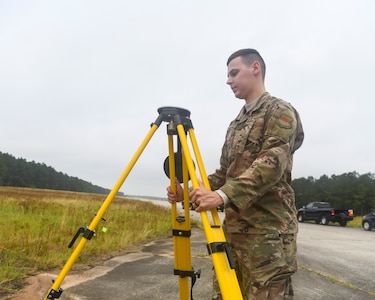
{"x": 175, "y": 197}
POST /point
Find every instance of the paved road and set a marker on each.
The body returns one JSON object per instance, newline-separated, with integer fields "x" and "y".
{"x": 343, "y": 253}
{"x": 149, "y": 275}
{"x": 335, "y": 263}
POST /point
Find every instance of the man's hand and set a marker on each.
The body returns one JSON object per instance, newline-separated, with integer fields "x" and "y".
{"x": 204, "y": 199}
{"x": 175, "y": 197}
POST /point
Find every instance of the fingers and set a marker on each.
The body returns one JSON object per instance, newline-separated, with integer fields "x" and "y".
{"x": 204, "y": 199}
{"x": 196, "y": 198}
{"x": 175, "y": 195}
{"x": 198, "y": 206}
{"x": 195, "y": 194}
{"x": 172, "y": 197}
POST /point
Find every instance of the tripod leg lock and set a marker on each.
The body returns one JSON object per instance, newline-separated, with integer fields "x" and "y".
{"x": 86, "y": 233}
{"x": 193, "y": 274}
{"x": 180, "y": 219}
{"x": 222, "y": 247}
{"x": 53, "y": 294}
{"x": 181, "y": 233}
{"x": 190, "y": 273}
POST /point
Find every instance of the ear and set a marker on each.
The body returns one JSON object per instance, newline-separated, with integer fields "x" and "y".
{"x": 256, "y": 67}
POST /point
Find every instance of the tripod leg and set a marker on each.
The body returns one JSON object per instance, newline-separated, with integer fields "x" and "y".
{"x": 202, "y": 171}
{"x": 55, "y": 290}
{"x": 181, "y": 230}
{"x": 219, "y": 249}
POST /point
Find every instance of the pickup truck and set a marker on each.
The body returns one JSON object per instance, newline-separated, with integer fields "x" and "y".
{"x": 323, "y": 213}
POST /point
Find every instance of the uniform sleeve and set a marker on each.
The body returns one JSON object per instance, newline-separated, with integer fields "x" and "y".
{"x": 270, "y": 164}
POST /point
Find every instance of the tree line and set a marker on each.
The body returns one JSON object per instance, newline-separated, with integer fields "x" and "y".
{"x": 346, "y": 191}
{"x": 18, "y": 172}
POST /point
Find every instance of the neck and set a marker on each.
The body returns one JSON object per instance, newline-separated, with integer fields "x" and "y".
{"x": 255, "y": 95}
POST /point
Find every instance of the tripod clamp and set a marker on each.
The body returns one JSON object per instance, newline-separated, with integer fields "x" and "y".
{"x": 193, "y": 274}
{"x": 86, "y": 233}
{"x": 222, "y": 247}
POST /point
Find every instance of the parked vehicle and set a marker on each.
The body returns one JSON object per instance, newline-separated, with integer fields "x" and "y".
{"x": 368, "y": 221}
{"x": 323, "y": 213}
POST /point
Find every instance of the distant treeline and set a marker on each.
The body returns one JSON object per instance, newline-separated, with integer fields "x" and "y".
{"x": 346, "y": 191}
{"x": 20, "y": 173}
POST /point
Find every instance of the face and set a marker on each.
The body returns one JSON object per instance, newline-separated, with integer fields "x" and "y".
{"x": 241, "y": 78}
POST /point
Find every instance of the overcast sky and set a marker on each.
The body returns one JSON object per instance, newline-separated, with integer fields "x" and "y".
{"x": 81, "y": 81}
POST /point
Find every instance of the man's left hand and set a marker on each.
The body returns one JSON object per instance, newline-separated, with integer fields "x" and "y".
{"x": 204, "y": 199}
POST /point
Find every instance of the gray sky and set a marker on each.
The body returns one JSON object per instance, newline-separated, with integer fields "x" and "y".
{"x": 81, "y": 81}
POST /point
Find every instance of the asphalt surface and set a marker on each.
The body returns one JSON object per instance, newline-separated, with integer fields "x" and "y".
{"x": 148, "y": 274}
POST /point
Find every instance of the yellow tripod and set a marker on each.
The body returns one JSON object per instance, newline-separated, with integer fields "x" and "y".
{"x": 179, "y": 124}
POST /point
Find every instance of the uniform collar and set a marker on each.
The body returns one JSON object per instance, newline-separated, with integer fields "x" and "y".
{"x": 250, "y": 106}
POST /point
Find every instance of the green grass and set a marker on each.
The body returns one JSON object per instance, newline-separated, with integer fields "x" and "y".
{"x": 37, "y": 226}
{"x": 357, "y": 222}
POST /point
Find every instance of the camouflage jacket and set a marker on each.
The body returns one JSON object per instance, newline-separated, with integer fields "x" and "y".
{"x": 255, "y": 168}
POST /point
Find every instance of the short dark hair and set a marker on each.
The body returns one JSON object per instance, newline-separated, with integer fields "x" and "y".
{"x": 249, "y": 56}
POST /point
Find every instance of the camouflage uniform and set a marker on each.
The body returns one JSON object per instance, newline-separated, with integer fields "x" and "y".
{"x": 260, "y": 216}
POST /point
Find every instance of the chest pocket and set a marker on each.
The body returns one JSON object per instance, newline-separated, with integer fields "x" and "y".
{"x": 245, "y": 136}
{"x": 238, "y": 137}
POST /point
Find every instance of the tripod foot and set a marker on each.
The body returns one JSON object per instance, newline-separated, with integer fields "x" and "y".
{"x": 53, "y": 294}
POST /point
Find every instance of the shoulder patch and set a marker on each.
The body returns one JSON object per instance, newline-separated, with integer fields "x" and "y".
{"x": 284, "y": 121}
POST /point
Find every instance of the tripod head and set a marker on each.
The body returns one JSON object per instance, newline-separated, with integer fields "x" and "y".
{"x": 170, "y": 110}
{"x": 175, "y": 116}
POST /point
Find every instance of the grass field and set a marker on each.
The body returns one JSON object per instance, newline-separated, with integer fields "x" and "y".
{"x": 37, "y": 226}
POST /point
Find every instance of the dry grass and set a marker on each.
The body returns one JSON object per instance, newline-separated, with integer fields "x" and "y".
{"x": 37, "y": 226}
